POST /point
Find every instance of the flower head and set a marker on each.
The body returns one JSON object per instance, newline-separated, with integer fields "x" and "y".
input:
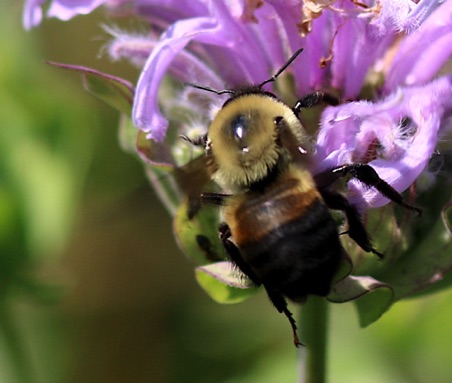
{"x": 347, "y": 49}
{"x": 383, "y": 59}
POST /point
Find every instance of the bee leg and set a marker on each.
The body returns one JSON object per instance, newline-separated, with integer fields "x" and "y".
{"x": 313, "y": 99}
{"x": 369, "y": 177}
{"x": 356, "y": 229}
{"x": 278, "y": 301}
{"x": 234, "y": 254}
{"x": 195, "y": 202}
{"x": 196, "y": 141}
{"x": 218, "y": 199}
{"x": 281, "y": 305}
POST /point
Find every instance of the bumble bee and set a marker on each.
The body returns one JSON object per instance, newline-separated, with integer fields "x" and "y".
{"x": 277, "y": 226}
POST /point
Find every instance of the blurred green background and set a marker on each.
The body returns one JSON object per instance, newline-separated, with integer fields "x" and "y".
{"x": 92, "y": 285}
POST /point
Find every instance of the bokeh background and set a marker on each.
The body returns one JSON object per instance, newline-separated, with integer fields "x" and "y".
{"x": 92, "y": 285}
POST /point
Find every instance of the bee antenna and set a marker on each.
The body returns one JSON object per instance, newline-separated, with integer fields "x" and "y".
{"x": 208, "y": 89}
{"x": 282, "y": 69}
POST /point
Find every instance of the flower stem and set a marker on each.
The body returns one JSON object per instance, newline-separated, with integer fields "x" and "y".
{"x": 314, "y": 318}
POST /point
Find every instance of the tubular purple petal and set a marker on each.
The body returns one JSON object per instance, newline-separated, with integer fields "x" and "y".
{"x": 146, "y": 114}
{"x": 417, "y": 14}
{"x": 32, "y": 15}
{"x": 133, "y": 47}
{"x": 61, "y": 9}
{"x": 170, "y": 10}
{"x": 67, "y": 9}
{"x": 271, "y": 33}
{"x": 392, "y": 13}
{"x": 316, "y": 45}
{"x": 403, "y": 15}
{"x": 396, "y": 136}
{"x": 424, "y": 52}
{"x": 352, "y": 61}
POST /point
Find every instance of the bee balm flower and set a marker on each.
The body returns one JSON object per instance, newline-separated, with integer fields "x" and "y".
{"x": 385, "y": 60}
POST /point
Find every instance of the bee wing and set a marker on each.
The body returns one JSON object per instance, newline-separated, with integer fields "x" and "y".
{"x": 192, "y": 179}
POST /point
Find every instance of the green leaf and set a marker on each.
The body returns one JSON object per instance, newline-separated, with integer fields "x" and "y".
{"x": 345, "y": 268}
{"x": 114, "y": 91}
{"x": 198, "y": 237}
{"x": 424, "y": 267}
{"x": 226, "y": 273}
{"x": 223, "y": 284}
{"x": 373, "y": 298}
{"x": 133, "y": 140}
{"x": 152, "y": 152}
{"x": 157, "y": 161}
{"x": 165, "y": 187}
{"x": 128, "y": 135}
{"x": 374, "y": 304}
{"x": 387, "y": 237}
{"x": 446, "y": 216}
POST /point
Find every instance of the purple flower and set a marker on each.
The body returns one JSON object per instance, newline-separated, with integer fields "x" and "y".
{"x": 385, "y": 59}
{"x": 347, "y": 50}
{"x": 394, "y": 48}
{"x": 252, "y": 50}
{"x": 62, "y": 9}
{"x": 397, "y": 136}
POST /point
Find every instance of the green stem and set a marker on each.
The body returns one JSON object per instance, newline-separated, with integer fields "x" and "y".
{"x": 313, "y": 323}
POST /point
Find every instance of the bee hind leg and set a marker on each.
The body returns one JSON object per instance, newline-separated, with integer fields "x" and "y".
{"x": 234, "y": 254}
{"x": 277, "y": 299}
{"x": 281, "y": 305}
{"x": 356, "y": 229}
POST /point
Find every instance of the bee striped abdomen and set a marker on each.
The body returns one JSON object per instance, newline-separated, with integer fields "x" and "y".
{"x": 288, "y": 238}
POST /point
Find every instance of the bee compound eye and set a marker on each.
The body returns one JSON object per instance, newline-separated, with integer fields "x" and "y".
{"x": 278, "y": 120}
{"x": 239, "y": 127}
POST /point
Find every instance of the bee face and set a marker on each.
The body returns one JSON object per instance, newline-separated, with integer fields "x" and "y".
{"x": 244, "y": 138}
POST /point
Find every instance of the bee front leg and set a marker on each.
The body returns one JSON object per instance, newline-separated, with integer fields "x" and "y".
{"x": 369, "y": 177}
{"x": 195, "y": 203}
{"x": 313, "y": 99}
{"x": 218, "y": 199}
{"x": 196, "y": 141}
